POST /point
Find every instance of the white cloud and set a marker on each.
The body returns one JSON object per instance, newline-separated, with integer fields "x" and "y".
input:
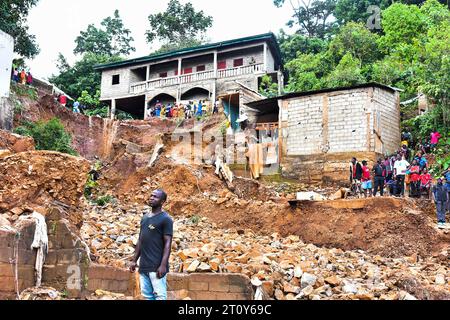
{"x": 56, "y": 23}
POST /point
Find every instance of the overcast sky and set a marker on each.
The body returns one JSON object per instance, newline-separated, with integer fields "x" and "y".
{"x": 56, "y": 23}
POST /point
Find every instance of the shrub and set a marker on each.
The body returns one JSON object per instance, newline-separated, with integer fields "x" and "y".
{"x": 49, "y": 135}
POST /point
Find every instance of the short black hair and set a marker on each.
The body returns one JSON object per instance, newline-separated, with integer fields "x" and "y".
{"x": 163, "y": 194}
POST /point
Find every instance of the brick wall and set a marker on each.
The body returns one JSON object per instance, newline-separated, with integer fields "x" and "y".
{"x": 323, "y": 131}
{"x": 209, "y": 286}
{"x": 26, "y": 258}
{"x": 305, "y": 126}
{"x": 389, "y": 105}
{"x": 108, "y": 90}
{"x": 65, "y": 266}
{"x": 110, "y": 279}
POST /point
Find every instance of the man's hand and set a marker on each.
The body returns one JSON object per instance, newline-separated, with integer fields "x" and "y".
{"x": 133, "y": 266}
{"x": 161, "y": 272}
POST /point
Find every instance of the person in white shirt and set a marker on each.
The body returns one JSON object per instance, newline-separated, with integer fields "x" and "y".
{"x": 400, "y": 168}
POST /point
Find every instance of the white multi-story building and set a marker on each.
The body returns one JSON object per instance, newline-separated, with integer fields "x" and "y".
{"x": 226, "y": 70}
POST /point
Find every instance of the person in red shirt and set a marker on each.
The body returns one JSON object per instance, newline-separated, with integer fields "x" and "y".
{"x": 414, "y": 179}
{"x": 366, "y": 179}
{"x": 29, "y": 78}
{"x": 425, "y": 182}
{"x": 63, "y": 100}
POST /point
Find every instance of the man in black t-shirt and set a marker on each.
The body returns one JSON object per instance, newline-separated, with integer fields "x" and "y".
{"x": 379, "y": 171}
{"x": 153, "y": 249}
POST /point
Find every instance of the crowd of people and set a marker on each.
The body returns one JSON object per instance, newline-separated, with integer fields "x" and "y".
{"x": 182, "y": 111}
{"x": 405, "y": 172}
{"x": 21, "y": 76}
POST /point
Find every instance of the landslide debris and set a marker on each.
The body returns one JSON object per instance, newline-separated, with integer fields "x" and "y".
{"x": 38, "y": 179}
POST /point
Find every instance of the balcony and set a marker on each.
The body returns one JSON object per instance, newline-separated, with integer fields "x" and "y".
{"x": 141, "y": 87}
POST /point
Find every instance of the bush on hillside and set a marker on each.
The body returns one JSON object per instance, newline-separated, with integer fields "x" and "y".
{"x": 49, "y": 135}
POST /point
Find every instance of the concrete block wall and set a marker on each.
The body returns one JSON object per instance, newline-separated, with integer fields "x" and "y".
{"x": 305, "y": 126}
{"x": 388, "y": 103}
{"x": 347, "y": 121}
{"x": 209, "y": 286}
{"x": 257, "y": 53}
{"x": 26, "y": 259}
{"x": 108, "y": 90}
{"x": 110, "y": 279}
{"x": 66, "y": 264}
{"x": 323, "y": 131}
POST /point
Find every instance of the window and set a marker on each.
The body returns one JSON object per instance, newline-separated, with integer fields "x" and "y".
{"x": 187, "y": 71}
{"x": 238, "y": 62}
{"x": 201, "y": 68}
{"x": 163, "y": 75}
{"x": 222, "y": 65}
{"x": 176, "y": 72}
{"x": 116, "y": 79}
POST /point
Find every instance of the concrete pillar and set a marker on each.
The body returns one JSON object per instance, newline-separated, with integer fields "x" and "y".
{"x": 113, "y": 109}
{"x": 215, "y": 64}
{"x": 148, "y": 73}
{"x": 265, "y": 57}
{"x": 146, "y": 116}
{"x": 213, "y": 93}
{"x": 280, "y": 82}
{"x": 179, "y": 66}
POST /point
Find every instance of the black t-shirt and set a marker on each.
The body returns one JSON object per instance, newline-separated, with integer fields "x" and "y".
{"x": 153, "y": 230}
{"x": 379, "y": 170}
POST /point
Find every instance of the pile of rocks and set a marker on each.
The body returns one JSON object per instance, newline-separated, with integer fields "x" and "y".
{"x": 286, "y": 268}
{"x": 37, "y": 179}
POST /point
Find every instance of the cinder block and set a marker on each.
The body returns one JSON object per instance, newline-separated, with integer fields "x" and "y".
{"x": 204, "y": 295}
{"x": 198, "y": 286}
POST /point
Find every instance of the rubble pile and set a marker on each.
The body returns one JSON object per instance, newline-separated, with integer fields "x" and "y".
{"x": 14, "y": 143}
{"x": 287, "y": 268}
{"x": 38, "y": 179}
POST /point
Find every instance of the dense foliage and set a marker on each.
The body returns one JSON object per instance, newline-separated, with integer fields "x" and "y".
{"x": 49, "y": 135}
{"x": 13, "y": 14}
{"x": 180, "y": 26}
{"x": 113, "y": 39}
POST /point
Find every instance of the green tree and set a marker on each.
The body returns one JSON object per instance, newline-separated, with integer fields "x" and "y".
{"x": 179, "y": 26}
{"x": 347, "y": 73}
{"x": 49, "y": 135}
{"x": 357, "y": 10}
{"x": 292, "y": 45}
{"x": 356, "y": 39}
{"x": 13, "y": 15}
{"x": 268, "y": 88}
{"x": 314, "y": 18}
{"x": 111, "y": 39}
{"x": 307, "y": 72}
{"x": 90, "y": 101}
{"x": 81, "y": 76}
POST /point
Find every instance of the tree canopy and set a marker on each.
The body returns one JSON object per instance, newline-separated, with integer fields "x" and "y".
{"x": 13, "y": 20}
{"x": 81, "y": 76}
{"x": 180, "y": 26}
{"x": 112, "y": 38}
{"x": 313, "y": 18}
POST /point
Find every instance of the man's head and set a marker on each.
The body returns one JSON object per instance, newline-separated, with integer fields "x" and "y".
{"x": 364, "y": 163}
{"x": 353, "y": 160}
{"x": 157, "y": 198}
{"x": 440, "y": 181}
{"x": 380, "y": 161}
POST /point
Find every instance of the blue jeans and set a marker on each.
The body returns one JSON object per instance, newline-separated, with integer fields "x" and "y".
{"x": 153, "y": 288}
{"x": 440, "y": 208}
